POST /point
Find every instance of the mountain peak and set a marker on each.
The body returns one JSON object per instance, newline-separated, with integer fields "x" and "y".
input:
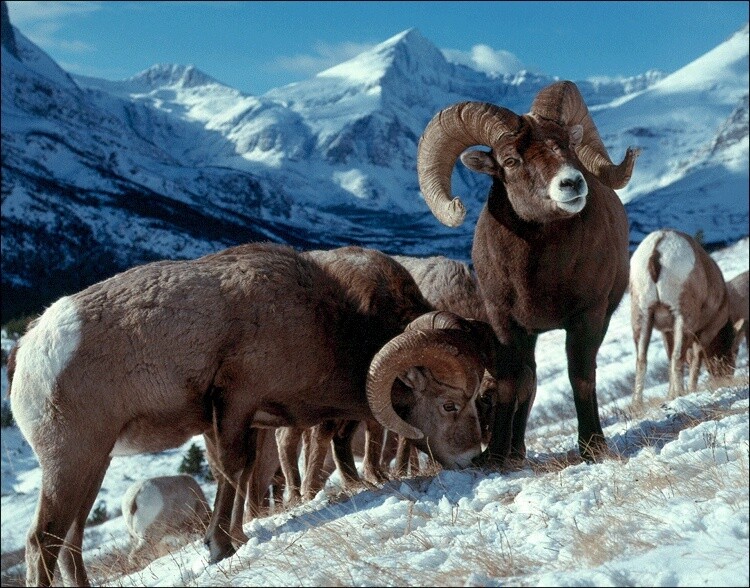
{"x": 169, "y": 74}
{"x": 6, "y": 32}
{"x": 408, "y": 50}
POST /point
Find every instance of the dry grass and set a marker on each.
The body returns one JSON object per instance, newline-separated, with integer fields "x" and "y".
{"x": 627, "y": 518}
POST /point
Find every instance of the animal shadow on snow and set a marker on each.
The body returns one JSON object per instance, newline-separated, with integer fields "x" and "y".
{"x": 656, "y": 433}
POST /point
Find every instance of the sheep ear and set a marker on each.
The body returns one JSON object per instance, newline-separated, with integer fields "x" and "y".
{"x": 575, "y": 135}
{"x": 479, "y": 161}
{"x": 415, "y": 379}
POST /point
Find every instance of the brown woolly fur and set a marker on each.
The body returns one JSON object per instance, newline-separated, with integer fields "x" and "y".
{"x": 447, "y": 285}
{"x": 358, "y": 270}
{"x": 257, "y": 336}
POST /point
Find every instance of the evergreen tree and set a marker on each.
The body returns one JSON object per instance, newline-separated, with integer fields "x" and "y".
{"x": 193, "y": 462}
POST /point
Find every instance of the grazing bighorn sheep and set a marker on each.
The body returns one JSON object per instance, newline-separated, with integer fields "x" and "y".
{"x": 677, "y": 288}
{"x": 450, "y": 280}
{"x": 158, "y": 507}
{"x": 551, "y": 244}
{"x": 447, "y": 285}
{"x": 737, "y": 288}
{"x": 254, "y": 336}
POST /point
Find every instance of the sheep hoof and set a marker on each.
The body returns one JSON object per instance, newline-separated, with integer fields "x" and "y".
{"x": 595, "y": 450}
{"x": 375, "y": 476}
{"x": 489, "y": 460}
{"x": 218, "y": 551}
{"x": 239, "y": 539}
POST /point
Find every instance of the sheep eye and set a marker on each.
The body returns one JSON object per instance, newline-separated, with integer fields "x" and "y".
{"x": 510, "y": 162}
{"x": 450, "y": 407}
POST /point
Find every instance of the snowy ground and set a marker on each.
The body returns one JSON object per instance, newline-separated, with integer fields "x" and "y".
{"x": 671, "y": 510}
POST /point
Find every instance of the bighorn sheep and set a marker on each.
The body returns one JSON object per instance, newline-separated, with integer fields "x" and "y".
{"x": 443, "y": 279}
{"x": 677, "y": 288}
{"x": 255, "y": 336}
{"x": 551, "y": 244}
{"x": 447, "y": 285}
{"x": 156, "y": 508}
{"x": 737, "y": 288}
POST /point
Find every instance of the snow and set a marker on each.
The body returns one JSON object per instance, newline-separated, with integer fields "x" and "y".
{"x": 671, "y": 509}
{"x": 332, "y": 159}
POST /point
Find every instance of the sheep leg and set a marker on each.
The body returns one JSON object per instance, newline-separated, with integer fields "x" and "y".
{"x": 234, "y": 453}
{"x": 242, "y": 494}
{"x": 526, "y": 386}
{"x": 516, "y": 388}
{"x": 498, "y": 449}
{"x": 60, "y": 503}
{"x": 676, "y": 360}
{"x": 342, "y": 453}
{"x": 317, "y": 449}
{"x": 581, "y": 346}
{"x": 266, "y": 464}
{"x": 287, "y": 441}
{"x": 372, "y": 470}
{"x": 390, "y": 448}
{"x": 403, "y": 453}
{"x": 644, "y": 326}
{"x": 695, "y": 366}
{"x": 277, "y": 490}
{"x": 71, "y": 557}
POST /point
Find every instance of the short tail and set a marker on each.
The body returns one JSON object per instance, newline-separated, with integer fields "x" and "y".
{"x": 11, "y": 367}
{"x": 654, "y": 263}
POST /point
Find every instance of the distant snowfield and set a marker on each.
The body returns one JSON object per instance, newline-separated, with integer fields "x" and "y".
{"x": 671, "y": 510}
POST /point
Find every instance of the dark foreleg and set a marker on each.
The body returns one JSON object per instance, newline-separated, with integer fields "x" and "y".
{"x": 581, "y": 346}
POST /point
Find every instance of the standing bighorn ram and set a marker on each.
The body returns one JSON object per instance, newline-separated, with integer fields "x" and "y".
{"x": 254, "y": 336}
{"x": 551, "y": 244}
{"x": 677, "y": 288}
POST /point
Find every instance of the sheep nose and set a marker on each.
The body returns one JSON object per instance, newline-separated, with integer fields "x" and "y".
{"x": 573, "y": 183}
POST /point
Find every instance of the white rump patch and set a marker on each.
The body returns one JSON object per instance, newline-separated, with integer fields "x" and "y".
{"x": 149, "y": 504}
{"x": 677, "y": 262}
{"x": 568, "y": 189}
{"x": 43, "y": 353}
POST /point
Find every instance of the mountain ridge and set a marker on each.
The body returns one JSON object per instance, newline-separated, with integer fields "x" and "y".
{"x": 106, "y": 170}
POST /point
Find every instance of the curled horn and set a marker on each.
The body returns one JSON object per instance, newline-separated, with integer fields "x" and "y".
{"x": 562, "y": 103}
{"x": 450, "y": 131}
{"x": 437, "y": 319}
{"x": 446, "y": 353}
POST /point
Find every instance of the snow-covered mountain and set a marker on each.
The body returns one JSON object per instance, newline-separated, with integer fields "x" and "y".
{"x": 101, "y": 175}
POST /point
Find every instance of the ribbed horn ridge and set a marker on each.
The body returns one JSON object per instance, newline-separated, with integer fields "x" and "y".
{"x": 450, "y": 131}
{"x": 562, "y": 103}
{"x": 445, "y": 352}
{"x": 437, "y": 319}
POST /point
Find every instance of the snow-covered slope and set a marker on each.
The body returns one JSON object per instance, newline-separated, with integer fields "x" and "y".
{"x": 100, "y": 175}
{"x": 671, "y": 510}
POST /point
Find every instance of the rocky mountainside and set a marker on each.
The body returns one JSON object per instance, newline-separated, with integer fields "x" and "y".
{"x": 99, "y": 175}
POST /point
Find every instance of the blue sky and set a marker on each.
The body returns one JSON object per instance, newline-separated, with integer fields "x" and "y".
{"x": 256, "y": 46}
